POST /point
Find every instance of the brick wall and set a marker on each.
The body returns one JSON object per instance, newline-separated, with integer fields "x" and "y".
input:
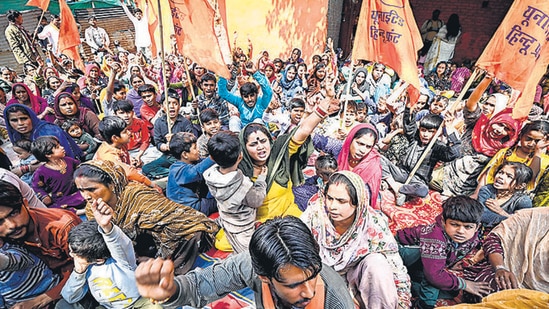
{"x": 478, "y": 23}
{"x": 113, "y": 20}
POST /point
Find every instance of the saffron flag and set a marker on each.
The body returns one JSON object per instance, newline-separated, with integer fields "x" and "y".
{"x": 42, "y": 4}
{"x": 518, "y": 53}
{"x": 278, "y": 26}
{"x": 387, "y": 33}
{"x": 69, "y": 36}
{"x": 193, "y": 23}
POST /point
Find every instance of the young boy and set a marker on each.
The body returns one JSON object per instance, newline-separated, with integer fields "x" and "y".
{"x": 186, "y": 185}
{"x": 149, "y": 110}
{"x": 160, "y": 167}
{"x": 325, "y": 165}
{"x": 237, "y": 196}
{"x": 104, "y": 263}
{"x": 428, "y": 251}
{"x": 250, "y": 104}
{"x": 83, "y": 139}
{"x": 139, "y": 147}
{"x": 115, "y": 132}
{"x": 286, "y": 121}
{"x": 436, "y": 107}
{"x": 396, "y": 174}
{"x": 209, "y": 120}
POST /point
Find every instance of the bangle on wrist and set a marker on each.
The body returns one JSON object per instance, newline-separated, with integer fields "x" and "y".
{"x": 320, "y": 112}
{"x": 500, "y": 267}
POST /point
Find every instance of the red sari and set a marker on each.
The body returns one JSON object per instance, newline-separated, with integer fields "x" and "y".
{"x": 483, "y": 143}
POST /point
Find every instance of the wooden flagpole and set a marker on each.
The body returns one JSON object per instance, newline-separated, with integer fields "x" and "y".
{"x": 164, "y": 77}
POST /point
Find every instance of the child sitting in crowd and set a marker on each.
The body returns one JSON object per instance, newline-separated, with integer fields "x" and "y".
{"x": 396, "y": 174}
{"x": 83, "y": 139}
{"x": 53, "y": 181}
{"x": 186, "y": 185}
{"x": 237, "y": 196}
{"x": 285, "y": 121}
{"x": 139, "y": 147}
{"x": 325, "y": 165}
{"x": 27, "y": 161}
{"x": 507, "y": 194}
{"x": 115, "y": 132}
{"x": 104, "y": 263}
{"x": 209, "y": 121}
{"x": 429, "y": 251}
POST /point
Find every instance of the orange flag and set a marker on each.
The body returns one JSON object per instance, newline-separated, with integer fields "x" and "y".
{"x": 69, "y": 37}
{"x": 42, "y": 4}
{"x": 387, "y": 33}
{"x": 193, "y": 22}
{"x": 518, "y": 53}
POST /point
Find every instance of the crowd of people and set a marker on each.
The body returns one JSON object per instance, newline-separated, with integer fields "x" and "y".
{"x": 121, "y": 180}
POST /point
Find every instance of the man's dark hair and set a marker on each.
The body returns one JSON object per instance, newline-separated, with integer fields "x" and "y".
{"x": 284, "y": 241}
{"x": 208, "y": 77}
{"x": 12, "y": 15}
{"x": 122, "y": 105}
{"x": 43, "y": 146}
{"x": 145, "y": 88}
{"x": 10, "y": 196}
{"x": 430, "y": 121}
{"x": 462, "y": 208}
{"x": 224, "y": 148}
{"x": 181, "y": 142}
{"x": 172, "y": 93}
{"x": 248, "y": 88}
{"x": 86, "y": 242}
{"x": 207, "y": 115}
{"x": 111, "y": 126}
{"x": 296, "y": 103}
{"x": 118, "y": 86}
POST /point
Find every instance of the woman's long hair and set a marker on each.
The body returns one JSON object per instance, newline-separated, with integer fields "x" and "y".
{"x": 453, "y": 26}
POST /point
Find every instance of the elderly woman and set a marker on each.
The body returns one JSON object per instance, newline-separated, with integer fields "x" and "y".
{"x": 356, "y": 241}
{"x": 179, "y": 232}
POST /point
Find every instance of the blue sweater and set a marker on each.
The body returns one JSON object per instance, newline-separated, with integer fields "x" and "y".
{"x": 248, "y": 114}
{"x": 186, "y": 185}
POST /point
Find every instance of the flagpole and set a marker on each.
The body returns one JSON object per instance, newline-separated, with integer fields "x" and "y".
{"x": 347, "y": 94}
{"x": 35, "y": 33}
{"x": 163, "y": 64}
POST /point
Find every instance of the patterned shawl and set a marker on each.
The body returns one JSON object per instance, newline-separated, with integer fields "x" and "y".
{"x": 525, "y": 242}
{"x": 369, "y": 233}
{"x": 483, "y": 143}
{"x": 369, "y": 168}
{"x": 142, "y": 209}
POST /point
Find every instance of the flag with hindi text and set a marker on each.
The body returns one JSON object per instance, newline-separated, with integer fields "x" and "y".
{"x": 42, "y": 4}
{"x": 193, "y": 23}
{"x": 69, "y": 36}
{"x": 518, "y": 52}
{"x": 387, "y": 33}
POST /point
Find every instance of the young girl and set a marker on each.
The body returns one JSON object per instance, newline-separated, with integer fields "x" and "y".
{"x": 27, "y": 162}
{"x": 83, "y": 139}
{"x": 529, "y": 149}
{"x": 507, "y": 194}
{"x": 53, "y": 181}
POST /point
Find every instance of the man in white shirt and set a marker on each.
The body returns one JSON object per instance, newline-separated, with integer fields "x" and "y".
{"x": 51, "y": 33}
{"x": 97, "y": 38}
{"x": 141, "y": 25}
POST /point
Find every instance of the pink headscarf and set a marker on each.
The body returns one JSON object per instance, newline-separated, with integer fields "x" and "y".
{"x": 369, "y": 168}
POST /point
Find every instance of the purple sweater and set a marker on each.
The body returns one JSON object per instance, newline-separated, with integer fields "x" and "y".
{"x": 438, "y": 253}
